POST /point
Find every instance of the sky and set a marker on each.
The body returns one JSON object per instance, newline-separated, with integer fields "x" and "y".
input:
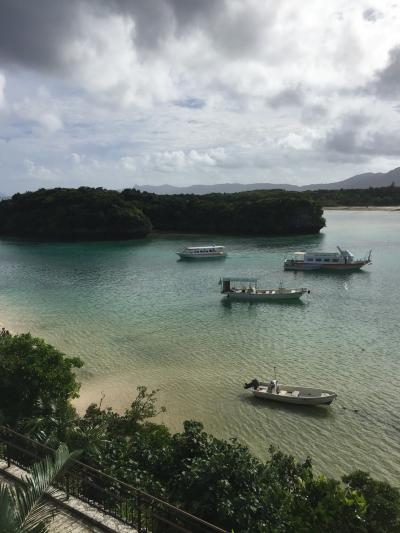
{"x": 115, "y": 93}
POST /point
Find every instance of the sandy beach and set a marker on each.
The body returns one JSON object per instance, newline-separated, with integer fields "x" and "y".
{"x": 363, "y": 208}
{"x": 2, "y": 326}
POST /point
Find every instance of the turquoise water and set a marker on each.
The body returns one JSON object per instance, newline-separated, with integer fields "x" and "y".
{"x": 136, "y": 315}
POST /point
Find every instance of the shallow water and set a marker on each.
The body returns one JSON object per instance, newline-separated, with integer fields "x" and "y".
{"x": 136, "y": 315}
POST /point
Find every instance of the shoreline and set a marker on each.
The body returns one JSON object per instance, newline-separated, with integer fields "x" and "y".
{"x": 363, "y": 208}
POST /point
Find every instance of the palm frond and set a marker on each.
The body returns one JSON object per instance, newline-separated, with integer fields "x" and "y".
{"x": 7, "y": 518}
{"x": 30, "y": 512}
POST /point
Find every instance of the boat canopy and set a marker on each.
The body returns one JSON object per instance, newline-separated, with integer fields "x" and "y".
{"x": 299, "y": 256}
{"x": 244, "y": 280}
{"x": 204, "y": 247}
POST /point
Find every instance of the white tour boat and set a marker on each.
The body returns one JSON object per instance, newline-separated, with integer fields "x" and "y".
{"x": 340, "y": 261}
{"x": 203, "y": 252}
{"x": 246, "y": 289}
{"x": 272, "y": 390}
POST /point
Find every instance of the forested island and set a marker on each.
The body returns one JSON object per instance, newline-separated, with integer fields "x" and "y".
{"x": 217, "y": 480}
{"x": 88, "y": 213}
{"x": 97, "y": 213}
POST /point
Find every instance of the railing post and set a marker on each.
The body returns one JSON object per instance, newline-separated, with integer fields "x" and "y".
{"x": 67, "y": 485}
{"x": 8, "y": 455}
{"x": 139, "y": 513}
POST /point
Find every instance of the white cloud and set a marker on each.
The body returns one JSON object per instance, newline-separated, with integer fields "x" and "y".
{"x": 39, "y": 109}
{"x": 248, "y": 50}
{"x": 39, "y": 172}
{"x": 180, "y": 160}
{"x": 76, "y": 159}
{"x": 298, "y": 141}
{"x": 128, "y": 163}
{"x": 2, "y": 90}
{"x": 104, "y": 61}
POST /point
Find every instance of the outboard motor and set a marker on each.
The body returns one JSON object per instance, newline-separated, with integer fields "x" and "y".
{"x": 254, "y": 383}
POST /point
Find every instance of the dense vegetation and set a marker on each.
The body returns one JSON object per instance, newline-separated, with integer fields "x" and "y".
{"x": 382, "y": 196}
{"x": 87, "y": 213}
{"x": 36, "y": 380}
{"x": 216, "y": 479}
{"x": 252, "y": 213}
{"x": 83, "y": 213}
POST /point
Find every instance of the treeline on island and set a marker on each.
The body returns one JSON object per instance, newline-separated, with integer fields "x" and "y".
{"x": 83, "y": 213}
{"x": 374, "y": 196}
{"x": 273, "y": 212}
{"x": 217, "y": 480}
{"x": 96, "y": 213}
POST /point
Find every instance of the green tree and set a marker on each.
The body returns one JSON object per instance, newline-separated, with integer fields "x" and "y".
{"x": 83, "y": 213}
{"x": 35, "y": 378}
{"x": 382, "y": 500}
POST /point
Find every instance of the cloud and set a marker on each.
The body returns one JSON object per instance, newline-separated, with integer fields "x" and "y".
{"x": 345, "y": 137}
{"x": 128, "y": 163}
{"x": 234, "y": 90}
{"x": 104, "y": 62}
{"x": 358, "y": 136}
{"x": 2, "y": 90}
{"x": 290, "y": 97}
{"x": 76, "y": 159}
{"x": 387, "y": 83}
{"x": 372, "y": 15}
{"x": 179, "y": 160}
{"x": 39, "y": 172}
{"x": 34, "y": 33}
{"x": 140, "y": 53}
{"x": 191, "y": 103}
{"x": 39, "y": 109}
{"x": 296, "y": 141}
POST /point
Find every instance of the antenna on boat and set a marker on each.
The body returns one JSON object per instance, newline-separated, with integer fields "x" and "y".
{"x": 275, "y": 372}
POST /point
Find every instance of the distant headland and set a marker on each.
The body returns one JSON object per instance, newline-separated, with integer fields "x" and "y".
{"x": 360, "y": 181}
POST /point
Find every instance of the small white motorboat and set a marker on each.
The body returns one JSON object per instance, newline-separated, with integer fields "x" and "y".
{"x": 272, "y": 390}
{"x": 246, "y": 289}
{"x": 203, "y": 252}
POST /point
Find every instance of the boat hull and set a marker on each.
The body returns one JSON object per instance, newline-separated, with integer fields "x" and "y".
{"x": 200, "y": 257}
{"x": 338, "y": 267}
{"x": 306, "y": 396}
{"x": 267, "y": 295}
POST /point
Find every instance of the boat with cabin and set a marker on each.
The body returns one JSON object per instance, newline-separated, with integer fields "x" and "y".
{"x": 203, "y": 252}
{"x": 246, "y": 289}
{"x": 340, "y": 261}
{"x": 273, "y": 390}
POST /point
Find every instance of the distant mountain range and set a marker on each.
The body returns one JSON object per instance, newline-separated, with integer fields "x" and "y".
{"x": 360, "y": 181}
